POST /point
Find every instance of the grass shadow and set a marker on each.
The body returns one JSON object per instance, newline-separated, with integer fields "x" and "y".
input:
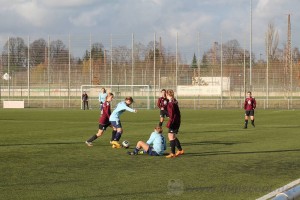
{"x": 217, "y": 153}
{"x": 211, "y": 143}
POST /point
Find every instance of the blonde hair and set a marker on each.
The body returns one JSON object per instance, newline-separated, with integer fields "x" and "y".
{"x": 170, "y": 93}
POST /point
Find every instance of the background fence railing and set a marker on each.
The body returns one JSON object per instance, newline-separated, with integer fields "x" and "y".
{"x": 52, "y": 67}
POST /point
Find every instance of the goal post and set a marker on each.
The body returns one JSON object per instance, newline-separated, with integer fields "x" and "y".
{"x": 139, "y": 93}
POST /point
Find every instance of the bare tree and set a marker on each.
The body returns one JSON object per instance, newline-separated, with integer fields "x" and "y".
{"x": 59, "y": 54}
{"x": 38, "y": 52}
{"x": 16, "y": 50}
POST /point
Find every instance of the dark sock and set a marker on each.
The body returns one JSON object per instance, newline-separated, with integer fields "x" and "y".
{"x": 252, "y": 121}
{"x": 160, "y": 123}
{"x": 118, "y": 136}
{"x": 113, "y": 135}
{"x": 94, "y": 137}
{"x": 246, "y": 123}
{"x": 136, "y": 150}
{"x": 172, "y": 144}
{"x": 178, "y": 145}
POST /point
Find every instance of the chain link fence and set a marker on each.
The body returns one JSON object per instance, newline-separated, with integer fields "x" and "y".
{"x": 47, "y": 72}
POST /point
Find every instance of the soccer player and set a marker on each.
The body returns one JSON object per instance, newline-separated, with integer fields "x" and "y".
{"x": 115, "y": 120}
{"x": 173, "y": 124}
{"x": 155, "y": 146}
{"x": 249, "y": 106}
{"x": 102, "y": 98}
{"x": 103, "y": 120}
{"x": 162, "y": 103}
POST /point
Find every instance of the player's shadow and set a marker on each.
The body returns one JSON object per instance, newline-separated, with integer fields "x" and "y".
{"x": 211, "y": 143}
{"x": 40, "y": 144}
{"x": 218, "y": 153}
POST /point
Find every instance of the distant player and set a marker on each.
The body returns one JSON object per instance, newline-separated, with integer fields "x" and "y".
{"x": 249, "y": 106}
{"x": 85, "y": 100}
{"x": 155, "y": 146}
{"x": 162, "y": 103}
{"x": 115, "y": 120}
{"x": 103, "y": 120}
{"x": 102, "y": 98}
{"x": 173, "y": 124}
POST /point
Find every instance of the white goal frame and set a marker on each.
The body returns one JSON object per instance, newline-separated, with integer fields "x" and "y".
{"x": 139, "y": 93}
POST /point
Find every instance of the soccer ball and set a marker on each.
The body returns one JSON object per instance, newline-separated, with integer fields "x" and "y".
{"x": 125, "y": 144}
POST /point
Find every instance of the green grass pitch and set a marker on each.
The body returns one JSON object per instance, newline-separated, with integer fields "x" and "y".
{"x": 43, "y": 156}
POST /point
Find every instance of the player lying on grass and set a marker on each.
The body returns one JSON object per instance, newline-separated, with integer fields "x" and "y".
{"x": 116, "y": 123}
{"x": 103, "y": 120}
{"x": 155, "y": 146}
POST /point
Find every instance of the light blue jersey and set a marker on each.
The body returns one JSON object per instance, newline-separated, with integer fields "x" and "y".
{"x": 102, "y": 97}
{"x": 121, "y": 107}
{"x": 158, "y": 142}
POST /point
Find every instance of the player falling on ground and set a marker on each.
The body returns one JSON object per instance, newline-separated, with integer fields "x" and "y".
{"x": 155, "y": 146}
{"x": 115, "y": 120}
{"x": 173, "y": 124}
{"x": 103, "y": 120}
{"x": 162, "y": 103}
{"x": 249, "y": 106}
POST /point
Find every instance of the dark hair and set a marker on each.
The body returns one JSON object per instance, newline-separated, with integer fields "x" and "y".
{"x": 110, "y": 94}
{"x": 163, "y": 90}
{"x": 129, "y": 98}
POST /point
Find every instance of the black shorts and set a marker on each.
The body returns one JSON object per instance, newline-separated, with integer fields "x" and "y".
{"x": 249, "y": 113}
{"x": 163, "y": 113}
{"x": 172, "y": 130}
{"x": 152, "y": 152}
{"x": 103, "y": 126}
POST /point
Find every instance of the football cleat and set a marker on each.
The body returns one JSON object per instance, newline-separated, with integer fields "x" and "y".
{"x": 141, "y": 152}
{"x": 171, "y": 155}
{"x": 178, "y": 153}
{"x": 116, "y": 144}
{"x": 115, "y": 147}
{"x": 89, "y": 143}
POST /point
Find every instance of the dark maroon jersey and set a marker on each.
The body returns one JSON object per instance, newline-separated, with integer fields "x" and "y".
{"x": 174, "y": 114}
{"x": 162, "y": 103}
{"x": 104, "y": 119}
{"x": 250, "y": 103}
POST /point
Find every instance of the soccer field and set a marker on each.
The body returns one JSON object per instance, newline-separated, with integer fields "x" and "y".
{"x": 43, "y": 156}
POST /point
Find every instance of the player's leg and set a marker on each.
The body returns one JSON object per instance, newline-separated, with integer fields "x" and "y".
{"x": 172, "y": 138}
{"x": 118, "y": 134}
{"x": 246, "y": 119}
{"x": 87, "y": 104}
{"x": 113, "y": 133}
{"x": 101, "y": 130}
{"x": 161, "y": 121}
{"x": 161, "y": 118}
{"x": 252, "y": 118}
{"x": 139, "y": 145}
{"x": 177, "y": 143}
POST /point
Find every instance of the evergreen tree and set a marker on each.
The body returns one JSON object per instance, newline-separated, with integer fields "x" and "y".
{"x": 194, "y": 62}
